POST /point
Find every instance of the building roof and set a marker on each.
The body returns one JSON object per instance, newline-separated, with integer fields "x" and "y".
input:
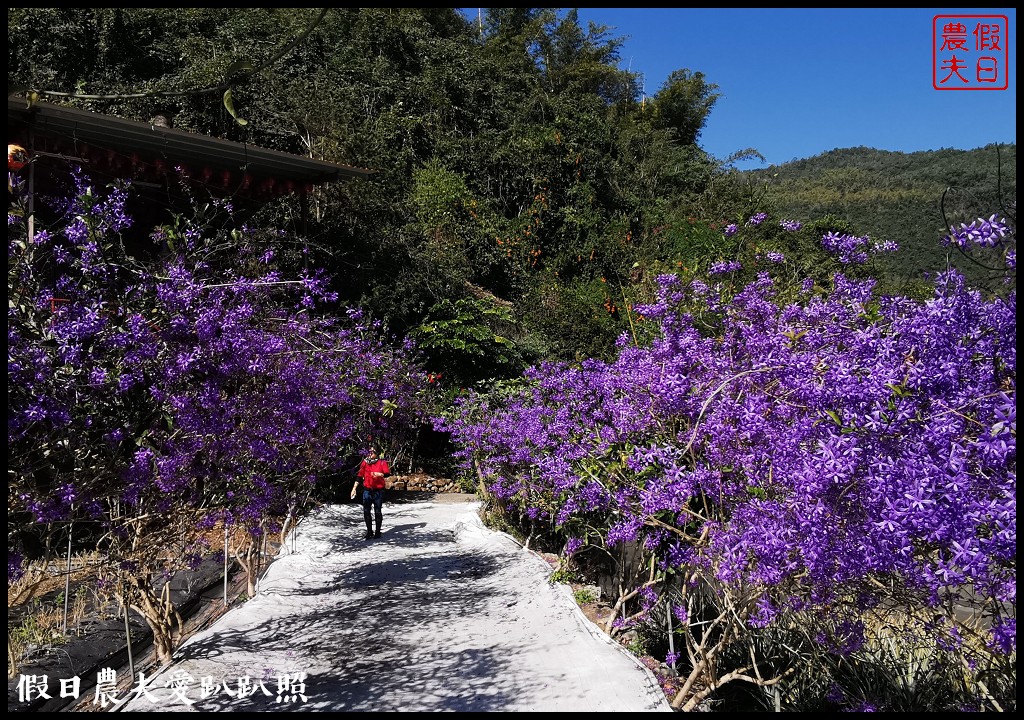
{"x": 142, "y": 148}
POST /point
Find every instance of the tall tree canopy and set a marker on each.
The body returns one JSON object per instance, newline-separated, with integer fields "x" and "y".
{"x": 533, "y": 140}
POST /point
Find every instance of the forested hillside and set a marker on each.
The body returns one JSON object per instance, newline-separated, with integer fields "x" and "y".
{"x": 517, "y": 169}
{"x": 524, "y": 197}
{"x": 899, "y": 196}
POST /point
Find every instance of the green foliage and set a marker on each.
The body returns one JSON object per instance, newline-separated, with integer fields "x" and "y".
{"x": 585, "y": 595}
{"x": 576, "y": 319}
{"x": 683, "y": 104}
{"x": 466, "y": 482}
{"x": 691, "y": 243}
{"x": 899, "y": 197}
{"x": 565, "y": 573}
{"x": 465, "y": 338}
{"x": 440, "y": 199}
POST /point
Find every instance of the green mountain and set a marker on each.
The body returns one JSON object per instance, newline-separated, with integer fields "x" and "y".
{"x": 900, "y": 197}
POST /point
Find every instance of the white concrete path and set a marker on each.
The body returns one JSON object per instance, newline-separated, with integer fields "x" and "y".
{"x": 439, "y": 614}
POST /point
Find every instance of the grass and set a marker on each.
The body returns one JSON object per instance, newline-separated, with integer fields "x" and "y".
{"x": 35, "y": 607}
{"x": 585, "y": 595}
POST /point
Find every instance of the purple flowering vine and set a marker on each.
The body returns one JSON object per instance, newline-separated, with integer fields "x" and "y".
{"x": 177, "y": 390}
{"x": 823, "y": 456}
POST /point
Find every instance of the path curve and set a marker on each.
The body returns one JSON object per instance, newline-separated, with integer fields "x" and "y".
{"x": 439, "y": 614}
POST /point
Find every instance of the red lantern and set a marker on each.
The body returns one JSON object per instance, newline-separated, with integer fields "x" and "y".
{"x": 289, "y": 187}
{"x": 246, "y": 181}
{"x": 17, "y": 157}
{"x": 207, "y": 174}
{"x": 225, "y": 179}
{"x": 266, "y": 188}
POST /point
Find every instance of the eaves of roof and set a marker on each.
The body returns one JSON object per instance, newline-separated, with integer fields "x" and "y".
{"x": 72, "y": 129}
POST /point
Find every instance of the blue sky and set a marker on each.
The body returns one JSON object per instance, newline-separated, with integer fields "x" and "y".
{"x": 796, "y": 83}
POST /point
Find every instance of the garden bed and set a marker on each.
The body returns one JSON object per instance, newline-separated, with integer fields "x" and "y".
{"x": 95, "y": 637}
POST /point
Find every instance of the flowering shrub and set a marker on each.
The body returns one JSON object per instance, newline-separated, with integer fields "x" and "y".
{"x": 824, "y": 458}
{"x": 847, "y": 248}
{"x": 723, "y": 267}
{"x": 157, "y": 399}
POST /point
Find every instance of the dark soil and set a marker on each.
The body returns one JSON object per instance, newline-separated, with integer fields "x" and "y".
{"x": 101, "y": 642}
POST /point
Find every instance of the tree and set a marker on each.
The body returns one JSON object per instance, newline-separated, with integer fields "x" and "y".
{"x": 683, "y": 104}
{"x": 556, "y": 155}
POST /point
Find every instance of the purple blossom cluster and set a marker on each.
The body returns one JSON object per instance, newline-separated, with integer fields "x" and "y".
{"x": 790, "y": 225}
{"x": 723, "y": 267}
{"x": 992, "y": 233}
{"x": 183, "y": 388}
{"x": 807, "y": 449}
{"x": 983, "y": 232}
{"x": 757, "y": 218}
{"x": 848, "y": 249}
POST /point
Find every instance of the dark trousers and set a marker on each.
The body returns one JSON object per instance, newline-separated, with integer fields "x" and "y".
{"x": 372, "y": 500}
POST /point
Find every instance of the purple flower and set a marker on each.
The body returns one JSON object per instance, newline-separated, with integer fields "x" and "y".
{"x": 848, "y": 249}
{"x": 15, "y": 565}
{"x": 681, "y": 614}
{"x": 1004, "y": 635}
{"x": 721, "y": 267}
{"x": 980, "y": 233}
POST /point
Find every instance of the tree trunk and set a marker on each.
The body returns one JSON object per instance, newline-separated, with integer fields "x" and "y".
{"x": 160, "y": 615}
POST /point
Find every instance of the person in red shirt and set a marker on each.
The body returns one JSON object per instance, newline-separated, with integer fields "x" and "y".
{"x": 372, "y": 471}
